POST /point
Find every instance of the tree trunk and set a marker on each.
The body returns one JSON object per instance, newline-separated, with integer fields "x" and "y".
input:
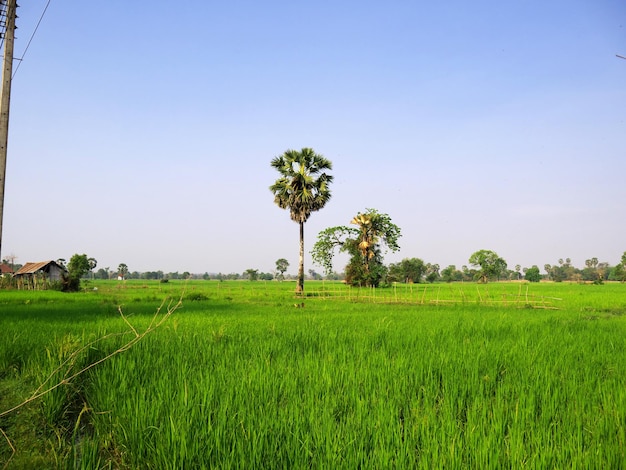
{"x": 300, "y": 286}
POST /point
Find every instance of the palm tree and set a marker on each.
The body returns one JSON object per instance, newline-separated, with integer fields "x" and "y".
{"x": 92, "y": 265}
{"x": 302, "y": 188}
{"x": 368, "y": 238}
{"x": 122, "y": 271}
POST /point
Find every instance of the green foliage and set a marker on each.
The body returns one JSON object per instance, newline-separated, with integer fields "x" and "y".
{"x": 251, "y": 274}
{"x": 362, "y": 272}
{"x": 409, "y": 270}
{"x": 327, "y": 241}
{"x": 7, "y": 282}
{"x": 533, "y": 274}
{"x": 451, "y": 273}
{"x": 196, "y": 296}
{"x": 618, "y": 273}
{"x": 122, "y": 270}
{"x": 77, "y": 268}
{"x": 363, "y": 244}
{"x": 491, "y": 265}
{"x": 432, "y": 272}
{"x": 563, "y": 271}
{"x": 303, "y": 187}
{"x": 281, "y": 266}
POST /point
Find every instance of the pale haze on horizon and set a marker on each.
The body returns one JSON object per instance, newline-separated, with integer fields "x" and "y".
{"x": 142, "y": 132}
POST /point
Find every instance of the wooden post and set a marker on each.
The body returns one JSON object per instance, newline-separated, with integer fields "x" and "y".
{"x": 5, "y": 98}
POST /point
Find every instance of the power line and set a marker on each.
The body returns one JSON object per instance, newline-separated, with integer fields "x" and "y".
{"x": 31, "y": 38}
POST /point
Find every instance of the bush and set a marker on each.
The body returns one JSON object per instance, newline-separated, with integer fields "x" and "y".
{"x": 195, "y": 296}
{"x": 56, "y": 285}
{"x": 70, "y": 283}
{"x": 7, "y": 282}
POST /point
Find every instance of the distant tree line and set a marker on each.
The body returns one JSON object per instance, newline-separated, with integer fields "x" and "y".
{"x": 483, "y": 265}
{"x": 486, "y": 266}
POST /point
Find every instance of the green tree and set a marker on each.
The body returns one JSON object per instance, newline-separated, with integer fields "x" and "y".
{"x": 409, "y": 270}
{"x": 251, "y": 274}
{"x": 490, "y": 264}
{"x": 548, "y": 269}
{"x": 563, "y": 272}
{"x": 102, "y": 273}
{"x": 122, "y": 270}
{"x": 76, "y": 268}
{"x": 303, "y": 188}
{"x": 363, "y": 244}
{"x": 432, "y": 272}
{"x": 532, "y": 274}
{"x": 450, "y": 273}
{"x": 619, "y": 271}
{"x": 281, "y": 266}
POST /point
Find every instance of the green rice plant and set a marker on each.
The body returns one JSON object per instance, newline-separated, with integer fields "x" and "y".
{"x": 324, "y": 391}
{"x": 354, "y": 379}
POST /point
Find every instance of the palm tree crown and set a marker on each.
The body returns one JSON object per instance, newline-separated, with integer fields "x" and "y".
{"x": 303, "y": 187}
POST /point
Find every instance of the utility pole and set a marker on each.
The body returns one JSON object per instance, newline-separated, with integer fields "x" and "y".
{"x": 5, "y": 96}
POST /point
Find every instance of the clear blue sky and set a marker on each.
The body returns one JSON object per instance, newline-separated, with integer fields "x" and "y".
{"x": 142, "y": 132}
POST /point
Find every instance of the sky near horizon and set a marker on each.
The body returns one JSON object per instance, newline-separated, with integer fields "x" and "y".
{"x": 142, "y": 132}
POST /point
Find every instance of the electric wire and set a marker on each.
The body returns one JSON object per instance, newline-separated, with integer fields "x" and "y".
{"x": 31, "y": 38}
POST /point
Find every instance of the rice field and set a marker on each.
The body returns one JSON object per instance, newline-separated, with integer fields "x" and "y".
{"x": 244, "y": 375}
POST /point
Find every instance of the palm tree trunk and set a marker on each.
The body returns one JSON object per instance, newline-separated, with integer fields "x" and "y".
{"x": 300, "y": 286}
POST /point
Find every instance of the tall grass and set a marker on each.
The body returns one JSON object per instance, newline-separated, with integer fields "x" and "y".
{"x": 239, "y": 377}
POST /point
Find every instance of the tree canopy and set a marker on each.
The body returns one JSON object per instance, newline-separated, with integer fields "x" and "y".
{"x": 78, "y": 267}
{"x": 532, "y": 274}
{"x": 122, "y": 270}
{"x": 364, "y": 245}
{"x": 491, "y": 265}
{"x": 409, "y": 270}
{"x": 281, "y": 266}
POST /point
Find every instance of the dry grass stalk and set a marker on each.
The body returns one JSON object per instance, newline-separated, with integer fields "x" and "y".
{"x": 157, "y": 320}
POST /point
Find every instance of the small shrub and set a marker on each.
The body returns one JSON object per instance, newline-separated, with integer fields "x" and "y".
{"x": 7, "y": 282}
{"x": 70, "y": 283}
{"x": 195, "y": 296}
{"x": 56, "y": 285}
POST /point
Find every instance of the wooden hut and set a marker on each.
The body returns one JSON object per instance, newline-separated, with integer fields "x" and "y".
{"x": 38, "y": 275}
